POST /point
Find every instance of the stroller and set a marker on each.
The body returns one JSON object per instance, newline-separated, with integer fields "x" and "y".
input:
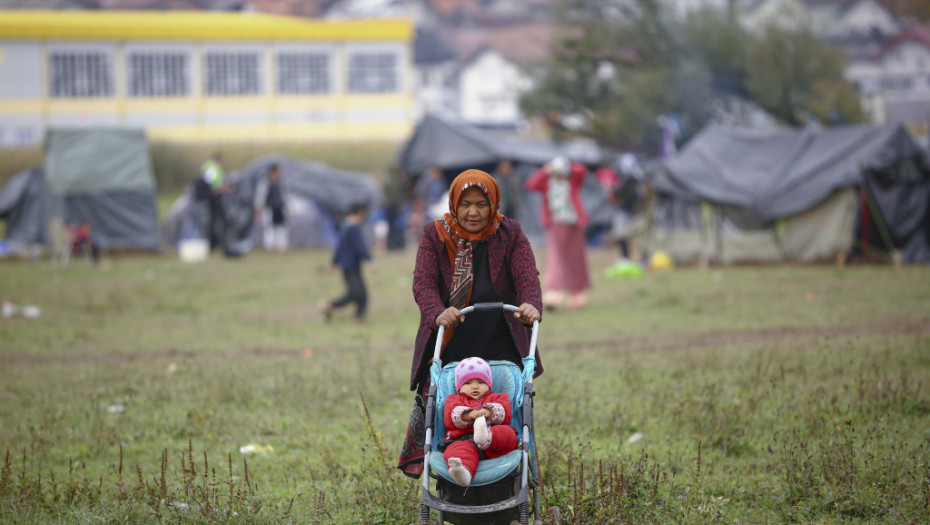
{"x": 500, "y": 489}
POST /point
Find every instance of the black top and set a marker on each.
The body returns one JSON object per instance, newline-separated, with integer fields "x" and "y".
{"x": 483, "y": 334}
{"x": 274, "y": 199}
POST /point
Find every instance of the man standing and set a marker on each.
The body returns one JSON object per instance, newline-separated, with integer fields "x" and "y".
{"x": 273, "y": 199}
{"x": 213, "y": 174}
{"x": 510, "y": 186}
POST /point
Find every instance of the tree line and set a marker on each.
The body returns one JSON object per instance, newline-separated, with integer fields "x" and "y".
{"x": 617, "y": 65}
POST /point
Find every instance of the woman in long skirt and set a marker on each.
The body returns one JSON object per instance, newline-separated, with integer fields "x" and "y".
{"x": 564, "y": 218}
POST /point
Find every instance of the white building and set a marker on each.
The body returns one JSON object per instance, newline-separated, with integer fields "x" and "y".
{"x": 896, "y": 80}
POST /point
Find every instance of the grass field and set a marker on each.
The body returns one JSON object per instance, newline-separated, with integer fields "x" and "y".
{"x": 761, "y": 394}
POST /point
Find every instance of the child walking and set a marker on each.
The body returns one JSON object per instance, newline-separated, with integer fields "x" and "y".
{"x": 478, "y": 421}
{"x": 350, "y": 251}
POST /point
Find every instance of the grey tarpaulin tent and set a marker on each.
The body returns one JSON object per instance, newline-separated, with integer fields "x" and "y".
{"x": 735, "y": 194}
{"x": 99, "y": 175}
{"x": 454, "y": 145}
{"x": 316, "y": 196}
{"x": 104, "y": 176}
{"x": 23, "y": 206}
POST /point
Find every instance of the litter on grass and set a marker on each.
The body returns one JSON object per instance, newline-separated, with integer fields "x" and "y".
{"x": 253, "y": 448}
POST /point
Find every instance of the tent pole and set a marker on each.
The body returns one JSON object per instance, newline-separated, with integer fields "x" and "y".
{"x": 873, "y": 208}
{"x": 864, "y": 220}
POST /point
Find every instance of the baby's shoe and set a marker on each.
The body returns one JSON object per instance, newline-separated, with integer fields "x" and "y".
{"x": 482, "y": 433}
{"x": 459, "y": 473}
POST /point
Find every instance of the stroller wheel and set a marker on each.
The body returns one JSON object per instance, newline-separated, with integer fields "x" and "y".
{"x": 424, "y": 515}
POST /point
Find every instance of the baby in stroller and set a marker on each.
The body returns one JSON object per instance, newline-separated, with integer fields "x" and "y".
{"x": 478, "y": 421}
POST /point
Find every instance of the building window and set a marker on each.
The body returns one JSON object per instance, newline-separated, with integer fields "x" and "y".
{"x": 898, "y": 84}
{"x": 373, "y": 73}
{"x": 158, "y": 75}
{"x": 81, "y": 74}
{"x": 233, "y": 74}
{"x": 303, "y": 73}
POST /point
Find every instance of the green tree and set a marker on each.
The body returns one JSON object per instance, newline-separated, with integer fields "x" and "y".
{"x": 611, "y": 68}
{"x": 795, "y": 76}
{"x": 917, "y": 10}
{"x": 619, "y": 64}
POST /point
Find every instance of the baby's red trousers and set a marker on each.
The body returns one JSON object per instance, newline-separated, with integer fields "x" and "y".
{"x": 503, "y": 440}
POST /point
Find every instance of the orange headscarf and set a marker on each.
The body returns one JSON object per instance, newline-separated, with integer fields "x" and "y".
{"x": 450, "y": 231}
{"x": 460, "y": 242}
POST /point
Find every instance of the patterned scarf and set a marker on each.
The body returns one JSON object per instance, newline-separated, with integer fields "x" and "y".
{"x": 459, "y": 242}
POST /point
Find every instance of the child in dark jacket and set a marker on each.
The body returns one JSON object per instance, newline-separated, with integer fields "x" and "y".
{"x": 478, "y": 421}
{"x": 350, "y": 251}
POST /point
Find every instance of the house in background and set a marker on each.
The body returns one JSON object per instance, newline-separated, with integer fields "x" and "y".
{"x": 888, "y": 59}
{"x": 754, "y": 15}
{"x": 492, "y": 71}
{"x": 897, "y": 79}
{"x": 471, "y": 56}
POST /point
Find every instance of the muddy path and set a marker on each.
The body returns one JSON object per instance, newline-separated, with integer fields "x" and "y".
{"x": 910, "y": 327}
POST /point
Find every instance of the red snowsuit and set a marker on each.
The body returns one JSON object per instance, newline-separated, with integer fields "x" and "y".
{"x": 503, "y": 436}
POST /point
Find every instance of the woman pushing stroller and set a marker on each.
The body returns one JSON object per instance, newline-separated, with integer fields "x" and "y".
{"x": 471, "y": 255}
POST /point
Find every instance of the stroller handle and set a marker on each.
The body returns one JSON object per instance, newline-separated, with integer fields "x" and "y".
{"x": 486, "y": 307}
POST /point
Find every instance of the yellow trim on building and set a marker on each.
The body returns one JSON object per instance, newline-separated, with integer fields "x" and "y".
{"x": 83, "y": 105}
{"x": 323, "y": 131}
{"x": 193, "y": 26}
{"x": 162, "y": 105}
{"x": 10, "y": 106}
{"x": 377, "y": 101}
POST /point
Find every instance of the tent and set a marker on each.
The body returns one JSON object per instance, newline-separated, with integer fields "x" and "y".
{"x": 99, "y": 175}
{"x": 104, "y": 176}
{"x": 316, "y": 195}
{"x": 739, "y": 194}
{"x": 454, "y": 145}
{"x": 23, "y": 206}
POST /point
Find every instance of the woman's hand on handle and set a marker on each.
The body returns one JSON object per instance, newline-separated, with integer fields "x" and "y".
{"x": 526, "y": 314}
{"x": 450, "y": 318}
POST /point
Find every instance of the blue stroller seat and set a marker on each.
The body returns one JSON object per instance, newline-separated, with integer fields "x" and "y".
{"x": 506, "y": 377}
{"x": 509, "y": 480}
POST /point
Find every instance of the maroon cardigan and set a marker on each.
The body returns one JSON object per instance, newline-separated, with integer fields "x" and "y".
{"x": 514, "y": 277}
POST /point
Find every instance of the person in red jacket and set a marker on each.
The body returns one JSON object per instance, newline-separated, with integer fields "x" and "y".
{"x": 82, "y": 241}
{"x": 478, "y": 421}
{"x": 564, "y": 217}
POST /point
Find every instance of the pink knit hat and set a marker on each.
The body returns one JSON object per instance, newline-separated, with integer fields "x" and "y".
{"x": 471, "y": 368}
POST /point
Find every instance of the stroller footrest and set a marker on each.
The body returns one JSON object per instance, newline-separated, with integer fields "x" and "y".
{"x": 489, "y": 470}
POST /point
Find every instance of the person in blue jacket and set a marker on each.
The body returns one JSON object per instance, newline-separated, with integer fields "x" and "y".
{"x": 350, "y": 251}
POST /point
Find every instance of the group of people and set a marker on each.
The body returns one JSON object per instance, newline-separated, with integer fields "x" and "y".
{"x": 563, "y": 216}
{"x": 210, "y": 217}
